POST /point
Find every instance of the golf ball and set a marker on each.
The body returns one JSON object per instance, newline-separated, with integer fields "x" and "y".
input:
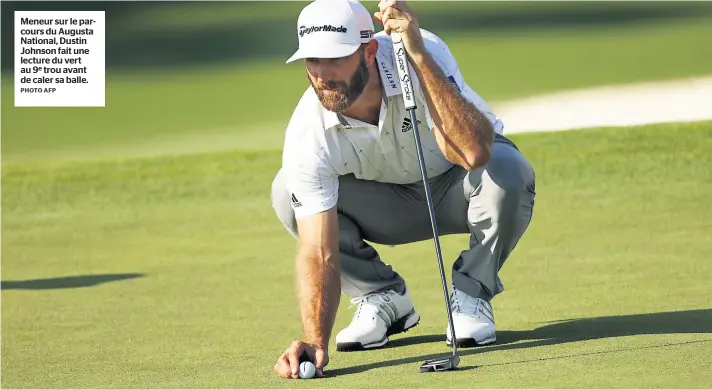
{"x": 306, "y": 370}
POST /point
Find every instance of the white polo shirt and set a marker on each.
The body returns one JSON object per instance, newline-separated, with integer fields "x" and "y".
{"x": 321, "y": 145}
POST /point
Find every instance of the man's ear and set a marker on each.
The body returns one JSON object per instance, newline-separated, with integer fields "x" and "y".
{"x": 370, "y": 50}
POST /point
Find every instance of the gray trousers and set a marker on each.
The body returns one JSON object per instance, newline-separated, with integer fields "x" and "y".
{"x": 494, "y": 204}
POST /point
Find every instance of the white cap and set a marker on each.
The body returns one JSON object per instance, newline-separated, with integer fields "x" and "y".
{"x": 332, "y": 29}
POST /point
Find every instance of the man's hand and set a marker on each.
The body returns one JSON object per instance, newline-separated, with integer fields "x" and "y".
{"x": 396, "y": 15}
{"x": 463, "y": 134}
{"x": 288, "y": 364}
{"x": 319, "y": 291}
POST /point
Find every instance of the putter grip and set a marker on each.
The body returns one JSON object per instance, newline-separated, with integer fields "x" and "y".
{"x": 403, "y": 71}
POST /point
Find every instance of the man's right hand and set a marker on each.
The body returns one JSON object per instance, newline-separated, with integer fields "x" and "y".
{"x": 288, "y": 364}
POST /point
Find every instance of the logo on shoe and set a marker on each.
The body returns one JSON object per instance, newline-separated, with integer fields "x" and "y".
{"x": 304, "y": 30}
{"x": 407, "y": 125}
{"x": 295, "y": 201}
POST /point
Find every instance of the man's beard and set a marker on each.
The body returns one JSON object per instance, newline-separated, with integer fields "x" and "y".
{"x": 337, "y": 95}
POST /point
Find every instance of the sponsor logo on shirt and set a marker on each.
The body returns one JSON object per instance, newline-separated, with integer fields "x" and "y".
{"x": 407, "y": 125}
{"x": 296, "y": 202}
{"x": 389, "y": 75}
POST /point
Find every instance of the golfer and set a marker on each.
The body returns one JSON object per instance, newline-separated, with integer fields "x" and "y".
{"x": 350, "y": 174}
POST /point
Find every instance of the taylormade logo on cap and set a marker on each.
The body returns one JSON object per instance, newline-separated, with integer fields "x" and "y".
{"x": 332, "y": 29}
{"x": 303, "y": 30}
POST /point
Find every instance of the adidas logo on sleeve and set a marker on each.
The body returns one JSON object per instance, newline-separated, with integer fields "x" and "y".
{"x": 295, "y": 202}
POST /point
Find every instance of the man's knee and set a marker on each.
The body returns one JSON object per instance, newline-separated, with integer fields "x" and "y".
{"x": 281, "y": 203}
{"x": 506, "y": 183}
{"x": 510, "y": 171}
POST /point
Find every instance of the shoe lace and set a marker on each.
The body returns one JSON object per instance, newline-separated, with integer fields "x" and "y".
{"x": 469, "y": 305}
{"x": 454, "y": 302}
{"x": 369, "y": 303}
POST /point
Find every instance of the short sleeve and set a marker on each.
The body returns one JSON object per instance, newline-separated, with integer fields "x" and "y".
{"x": 447, "y": 62}
{"x": 313, "y": 185}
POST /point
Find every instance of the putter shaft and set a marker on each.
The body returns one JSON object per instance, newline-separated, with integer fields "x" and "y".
{"x": 402, "y": 65}
{"x": 428, "y": 198}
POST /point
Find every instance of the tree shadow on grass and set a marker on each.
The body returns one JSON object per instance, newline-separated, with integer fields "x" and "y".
{"x": 65, "y": 282}
{"x": 565, "y": 331}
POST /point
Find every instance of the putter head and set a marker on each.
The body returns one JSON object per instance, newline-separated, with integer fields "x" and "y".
{"x": 443, "y": 364}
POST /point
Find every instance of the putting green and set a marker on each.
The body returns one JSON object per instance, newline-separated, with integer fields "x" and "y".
{"x": 173, "y": 272}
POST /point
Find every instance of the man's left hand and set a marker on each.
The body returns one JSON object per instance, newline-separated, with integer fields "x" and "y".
{"x": 396, "y": 15}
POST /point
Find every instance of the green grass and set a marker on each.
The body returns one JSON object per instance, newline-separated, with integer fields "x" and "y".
{"x": 139, "y": 247}
{"x": 608, "y": 288}
{"x": 245, "y": 102}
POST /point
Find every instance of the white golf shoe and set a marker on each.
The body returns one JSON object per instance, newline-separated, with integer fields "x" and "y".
{"x": 473, "y": 320}
{"x": 378, "y": 316}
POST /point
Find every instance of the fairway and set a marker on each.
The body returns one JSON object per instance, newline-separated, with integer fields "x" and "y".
{"x": 173, "y": 272}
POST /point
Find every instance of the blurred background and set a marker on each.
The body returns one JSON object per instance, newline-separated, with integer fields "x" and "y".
{"x": 140, "y": 248}
{"x": 213, "y": 73}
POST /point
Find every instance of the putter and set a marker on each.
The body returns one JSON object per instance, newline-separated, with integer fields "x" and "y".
{"x": 402, "y": 63}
